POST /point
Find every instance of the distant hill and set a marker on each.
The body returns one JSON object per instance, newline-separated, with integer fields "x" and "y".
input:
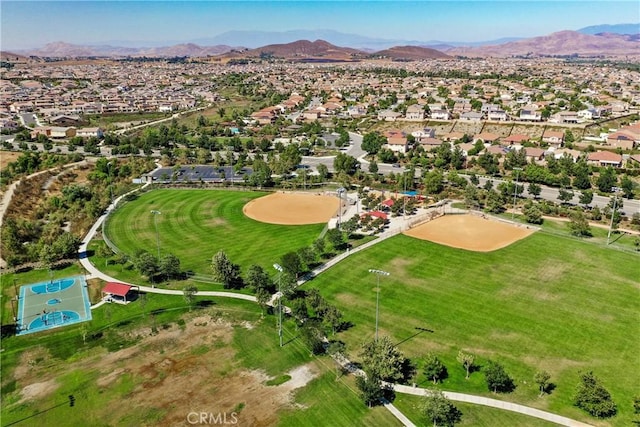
{"x": 12, "y": 57}
{"x": 65, "y": 50}
{"x": 614, "y": 29}
{"x": 411, "y": 53}
{"x": 560, "y": 43}
{"x": 302, "y": 49}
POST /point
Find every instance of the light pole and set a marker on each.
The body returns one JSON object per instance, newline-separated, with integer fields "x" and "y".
{"x": 378, "y": 273}
{"x": 515, "y": 193}
{"x": 340, "y": 191}
{"x": 613, "y": 214}
{"x": 280, "y": 270}
{"x": 155, "y": 222}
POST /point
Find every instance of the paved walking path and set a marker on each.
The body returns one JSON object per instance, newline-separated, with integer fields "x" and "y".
{"x": 399, "y": 415}
{"x": 494, "y": 403}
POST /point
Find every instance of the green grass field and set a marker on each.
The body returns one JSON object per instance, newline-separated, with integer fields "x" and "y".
{"x": 195, "y": 224}
{"x": 545, "y": 302}
{"x": 472, "y": 415}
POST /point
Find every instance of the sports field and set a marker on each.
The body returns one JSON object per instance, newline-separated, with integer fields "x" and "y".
{"x": 292, "y": 208}
{"x": 195, "y": 224}
{"x": 470, "y": 232}
{"x": 544, "y": 302}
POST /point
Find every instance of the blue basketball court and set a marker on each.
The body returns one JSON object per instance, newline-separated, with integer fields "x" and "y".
{"x": 48, "y": 305}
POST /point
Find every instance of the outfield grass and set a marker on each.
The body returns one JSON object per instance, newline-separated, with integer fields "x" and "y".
{"x": 196, "y": 224}
{"x": 544, "y": 302}
{"x": 472, "y": 415}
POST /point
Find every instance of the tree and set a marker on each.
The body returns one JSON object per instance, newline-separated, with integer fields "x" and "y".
{"x": 627, "y": 185}
{"x": 542, "y": 379}
{"x": 319, "y": 245}
{"x": 565, "y": 196}
{"x": 146, "y": 264}
{"x": 439, "y": 410}
{"x": 299, "y": 310}
{"x": 323, "y": 171}
{"x": 373, "y": 142}
{"x": 473, "y": 178}
{"x": 335, "y": 238}
{"x": 497, "y": 378}
{"x": 262, "y": 298}
{"x": 578, "y": 225}
{"x": 534, "y": 189}
{"x": 312, "y": 336}
{"x": 370, "y": 389}
{"x": 607, "y": 180}
{"x": 586, "y": 197}
{"x": 225, "y": 271}
{"x": 532, "y": 214}
{"x": 592, "y": 397}
{"x": 337, "y": 350}
{"x": 189, "y": 293}
{"x": 434, "y": 369}
{"x": 332, "y": 318}
{"x": 467, "y": 361}
{"x": 291, "y": 263}
{"x": 373, "y": 167}
{"x": 169, "y": 266}
{"x": 258, "y": 279}
{"x": 345, "y": 163}
{"x": 581, "y": 179}
{"x": 381, "y": 359}
{"x": 434, "y": 182}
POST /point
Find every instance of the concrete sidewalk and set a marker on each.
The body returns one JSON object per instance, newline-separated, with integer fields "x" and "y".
{"x": 493, "y": 403}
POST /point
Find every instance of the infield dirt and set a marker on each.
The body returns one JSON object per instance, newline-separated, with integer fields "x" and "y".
{"x": 292, "y": 208}
{"x": 470, "y": 232}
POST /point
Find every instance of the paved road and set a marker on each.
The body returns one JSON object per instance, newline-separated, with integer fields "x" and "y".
{"x": 551, "y": 194}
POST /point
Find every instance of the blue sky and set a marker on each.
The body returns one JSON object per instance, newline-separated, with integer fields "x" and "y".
{"x": 27, "y": 24}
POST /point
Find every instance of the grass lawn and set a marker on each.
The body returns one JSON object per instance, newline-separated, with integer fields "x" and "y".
{"x": 327, "y": 402}
{"x": 472, "y": 415}
{"x": 196, "y": 224}
{"x": 545, "y": 302}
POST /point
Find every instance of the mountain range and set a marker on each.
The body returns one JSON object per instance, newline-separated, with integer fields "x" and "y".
{"x": 615, "y": 41}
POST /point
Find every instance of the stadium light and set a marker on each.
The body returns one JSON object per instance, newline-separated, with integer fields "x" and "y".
{"x": 378, "y": 273}
{"x": 340, "y": 191}
{"x": 280, "y": 270}
{"x": 155, "y": 222}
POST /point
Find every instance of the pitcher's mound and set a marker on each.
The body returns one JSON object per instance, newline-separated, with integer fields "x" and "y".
{"x": 292, "y": 208}
{"x": 469, "y": 232}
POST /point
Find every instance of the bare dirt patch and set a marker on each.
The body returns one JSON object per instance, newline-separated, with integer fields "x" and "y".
{"x": 38, "y": 390}
{"x": 7, "y": 157}
{"x": 176, "y": 371}
{"x": 292, "y": 208}
{"x": 469, "y": 232}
